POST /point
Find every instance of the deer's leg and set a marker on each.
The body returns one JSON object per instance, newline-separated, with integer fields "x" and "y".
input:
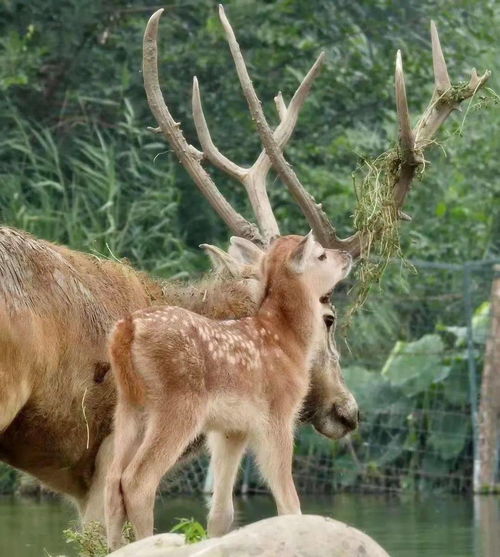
{"x": 226, "y": 452}
{"x": 92, "y": 507}
{"x": 126, "y": 440}
{"x": 168, "y": 433}
{"x": 274, "y": 452}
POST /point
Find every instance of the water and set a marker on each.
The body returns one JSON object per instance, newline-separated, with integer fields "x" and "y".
{"x": 406, "y": 526}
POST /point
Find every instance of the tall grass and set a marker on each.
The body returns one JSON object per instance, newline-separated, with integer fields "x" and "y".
{"x": 102, "y": 191}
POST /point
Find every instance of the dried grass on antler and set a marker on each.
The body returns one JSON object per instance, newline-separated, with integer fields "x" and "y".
{"x": 382, "y": 191}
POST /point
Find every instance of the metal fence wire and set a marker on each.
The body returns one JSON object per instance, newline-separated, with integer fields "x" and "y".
{"x": 414, "y": 360}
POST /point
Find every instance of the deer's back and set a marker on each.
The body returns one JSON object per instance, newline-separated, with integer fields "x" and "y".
{"x": 233, "y": 364}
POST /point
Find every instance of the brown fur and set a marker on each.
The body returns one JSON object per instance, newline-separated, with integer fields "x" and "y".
{"x": 120, "y": 354}
{"x": 179, "y": 374}
{"x": 56, "y": 309}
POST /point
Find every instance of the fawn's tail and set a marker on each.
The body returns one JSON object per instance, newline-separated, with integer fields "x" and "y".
{"x": 129, "y": 383}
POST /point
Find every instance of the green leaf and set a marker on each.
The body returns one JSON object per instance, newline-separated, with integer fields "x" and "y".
{"x": 193, "y": 531}
{"x": 449, "y": 432}
{"x": 369, "y": 388}
{"x": 481, "y": 323}
{"x": 414, "y": 366}
{"x": 441, "y": 209}
{"x": 460, "y": 334}
{"x": 456, "y": 386}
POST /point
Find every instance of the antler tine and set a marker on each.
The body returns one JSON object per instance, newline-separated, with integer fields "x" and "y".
{"x": 442, "y": 103}
{"x": 254, "y": 183}
{"x": 317, "y": 219}
{"x": 254, "y": 178}
{"x": 406, "y": 139}
{"x": 186, "y": 153}
{"x": 209, "y": 149}
{"x": 280, "y": 105}
{"x": 444, "y": 100}
{"x": 441, "y": 77}
{"x": 289, "y": 115}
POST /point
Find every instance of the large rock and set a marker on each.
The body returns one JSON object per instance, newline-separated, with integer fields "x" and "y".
{"x": 155, "y": 546}
{"x": 280, "y": 536}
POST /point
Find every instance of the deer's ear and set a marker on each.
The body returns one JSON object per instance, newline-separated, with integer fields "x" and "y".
{"x": 222, "y": 260}
{"x": 302, "y": 253}
{"x": 245, "y": 251}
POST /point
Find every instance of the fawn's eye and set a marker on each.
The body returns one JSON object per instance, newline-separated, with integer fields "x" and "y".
{"x": 329, "y": 321}
{"x": 322, "y": 257}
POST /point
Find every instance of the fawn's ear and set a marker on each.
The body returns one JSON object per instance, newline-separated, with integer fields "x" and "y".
{"x": 222, "y": 260}
{"x": 245, "y": 251}
{"x": 302, "y": 253}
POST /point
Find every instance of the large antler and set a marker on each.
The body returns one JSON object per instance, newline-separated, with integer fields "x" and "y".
{"x": 253, "y": 178}
{"x": 412, "y": 142}
{"x": 445, "y": 99}
{"x": 189, "y": 156}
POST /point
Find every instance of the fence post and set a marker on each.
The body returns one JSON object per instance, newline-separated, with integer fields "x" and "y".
{"x": 472, "y": 375}
{"x": 489, "y": 406}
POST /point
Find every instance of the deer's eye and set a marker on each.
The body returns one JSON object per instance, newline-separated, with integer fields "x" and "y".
{"x": 322, "y": 257}
{"x": 329, "y": 321}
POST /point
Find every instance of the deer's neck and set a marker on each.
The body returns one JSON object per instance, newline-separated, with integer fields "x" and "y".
{"x": 290, "y": 309}
{"x": 212, "y": 297}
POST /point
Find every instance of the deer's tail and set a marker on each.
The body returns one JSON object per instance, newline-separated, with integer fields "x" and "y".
{"x": 129, "y": 383}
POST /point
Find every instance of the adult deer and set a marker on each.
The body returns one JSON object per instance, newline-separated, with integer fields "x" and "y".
{"x": 57, "y": 305}
{"x": 241, "y": 381}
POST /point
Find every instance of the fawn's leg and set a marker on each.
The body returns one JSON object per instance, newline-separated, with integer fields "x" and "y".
{"x": 274, "y": 451}
{"x": 169, "y": 431}
{"x": 126, "y": 440}
{"x": 226, "y": 452}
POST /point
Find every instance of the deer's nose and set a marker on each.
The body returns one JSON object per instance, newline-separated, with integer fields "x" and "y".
{"x": 348, "y": 420}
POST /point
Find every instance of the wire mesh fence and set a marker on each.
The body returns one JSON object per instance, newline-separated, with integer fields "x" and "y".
{"x": 415, "y": 362}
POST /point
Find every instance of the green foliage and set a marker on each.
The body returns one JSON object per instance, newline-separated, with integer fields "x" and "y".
{"x": 77, "y": 165}
{"x": 8, "y": 479}
{"x": 193, "y": 531}
{"x": 414, "y": 366}
{"x": 91, "y": 540}
{"x": 415, "y": 426}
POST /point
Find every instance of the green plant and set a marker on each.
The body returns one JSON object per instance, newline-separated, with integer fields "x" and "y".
{"x": 193, "y": 531}
{"x": 91, "y": 540}
{"x": 8, "y": 479}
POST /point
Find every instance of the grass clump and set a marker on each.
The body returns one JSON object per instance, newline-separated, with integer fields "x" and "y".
{"x": 91, "y": 540}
